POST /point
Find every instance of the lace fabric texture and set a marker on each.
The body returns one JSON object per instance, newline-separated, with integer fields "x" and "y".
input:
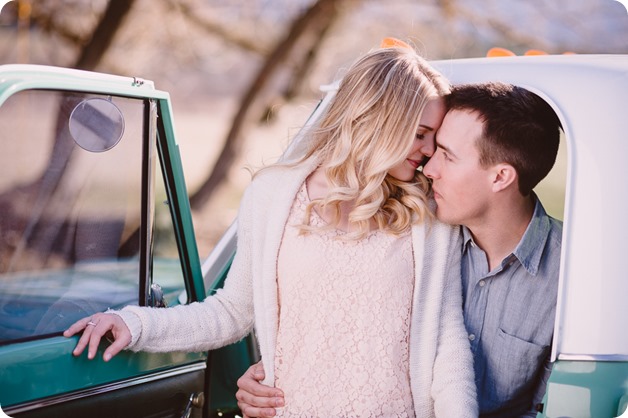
{"x": 343, "y": 339}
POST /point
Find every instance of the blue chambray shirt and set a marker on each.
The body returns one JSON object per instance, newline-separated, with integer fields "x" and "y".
{"x": 509, "y": 315}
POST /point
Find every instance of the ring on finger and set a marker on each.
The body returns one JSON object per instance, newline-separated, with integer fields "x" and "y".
{"x": 91, "y": 323}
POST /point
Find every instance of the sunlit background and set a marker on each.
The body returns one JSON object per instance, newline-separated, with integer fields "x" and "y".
{"x": 269, "y": 57}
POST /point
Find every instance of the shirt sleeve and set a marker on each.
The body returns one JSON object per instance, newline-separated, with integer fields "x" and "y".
{"x": 539, "y": 391}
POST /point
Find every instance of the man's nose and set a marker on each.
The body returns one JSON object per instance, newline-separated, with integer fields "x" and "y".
{"x": 429, "y": 168}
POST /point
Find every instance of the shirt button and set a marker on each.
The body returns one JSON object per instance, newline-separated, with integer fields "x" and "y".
{"x": 471, "y": 337}
{"x": 482, "y": 283}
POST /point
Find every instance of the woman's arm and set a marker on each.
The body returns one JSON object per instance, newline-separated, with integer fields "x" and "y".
{"x": 221, "y": 319}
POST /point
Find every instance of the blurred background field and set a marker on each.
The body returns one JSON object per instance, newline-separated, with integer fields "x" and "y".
{"x": 248, "y": 72}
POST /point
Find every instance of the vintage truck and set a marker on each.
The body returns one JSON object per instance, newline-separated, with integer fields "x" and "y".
{"x": 94, "y": 214}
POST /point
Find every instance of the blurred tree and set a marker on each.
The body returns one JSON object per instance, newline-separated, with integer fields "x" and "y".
{"x": 214, "y": 27}
{"x": 289, "y": 61}
{"x": 267, "y": 52}
{"x": 102, "y": 36}
{"x": 90, "y": 55}
{"x": 44, "y": 187}
{"x": 305, "y": 35}
{"x": 90, "y": 32}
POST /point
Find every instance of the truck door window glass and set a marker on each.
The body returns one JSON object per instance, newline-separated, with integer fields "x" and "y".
{"x": 68, "y": 246}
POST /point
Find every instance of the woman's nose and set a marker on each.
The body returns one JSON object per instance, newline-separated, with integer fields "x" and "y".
{"x": 427, "y": 148}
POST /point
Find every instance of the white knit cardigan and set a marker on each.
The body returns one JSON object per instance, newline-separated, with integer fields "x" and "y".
{"x": 441, "y": 365}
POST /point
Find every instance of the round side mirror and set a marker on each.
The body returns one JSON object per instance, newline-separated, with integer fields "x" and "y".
{"x": 96, "y": 124}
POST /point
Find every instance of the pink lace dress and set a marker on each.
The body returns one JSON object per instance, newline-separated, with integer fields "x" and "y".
{"x": 343, "y": 339}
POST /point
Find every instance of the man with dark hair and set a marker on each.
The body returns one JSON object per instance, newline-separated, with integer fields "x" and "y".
{"x": 496, "y": 143}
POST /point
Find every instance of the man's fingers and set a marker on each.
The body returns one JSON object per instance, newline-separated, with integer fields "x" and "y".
{"x": 249, "y": 383}
{"x": 251, "y": 412}
{"x": 253, "y": 401}
{"x": 258, "y": 371}
{"x": 252, "y": 386}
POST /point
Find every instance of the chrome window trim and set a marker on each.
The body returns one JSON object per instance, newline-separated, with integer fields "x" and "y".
{"x": 110, "y": 387}
{"x": 218, "y": 259}
{"x": 150, "y": 155}
{"x": 593, "y": 357}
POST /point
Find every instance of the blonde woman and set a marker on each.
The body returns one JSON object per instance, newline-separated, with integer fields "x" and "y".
{"x": 351, "y": 284}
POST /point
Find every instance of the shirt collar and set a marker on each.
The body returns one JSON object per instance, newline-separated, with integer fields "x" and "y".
{"x": 467, "y": 239}
{"x": 530, "y": 249}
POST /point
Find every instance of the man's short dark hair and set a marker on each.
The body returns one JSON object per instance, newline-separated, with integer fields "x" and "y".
{"x": 520, "y": 128}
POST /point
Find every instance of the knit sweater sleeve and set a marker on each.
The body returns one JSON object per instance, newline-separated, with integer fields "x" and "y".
{"x": 453, "y": 366}
{"x": 221, "y": 319}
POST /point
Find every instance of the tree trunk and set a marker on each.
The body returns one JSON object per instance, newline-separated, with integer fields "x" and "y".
{"x": 111, "y": 20}
{"x": 250, "y": 108}
{"x": 301, "y": 69}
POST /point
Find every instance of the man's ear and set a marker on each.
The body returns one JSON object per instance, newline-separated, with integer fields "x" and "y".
{"x": 504, "y": 175}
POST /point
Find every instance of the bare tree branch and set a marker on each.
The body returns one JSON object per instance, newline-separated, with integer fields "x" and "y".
{"x": 93, "y": 51}
{"x": 47, "y": 23}
{"x": 303, "y": 66}
{"x": 217, "y": 29}
{"x": 250, "y": 106}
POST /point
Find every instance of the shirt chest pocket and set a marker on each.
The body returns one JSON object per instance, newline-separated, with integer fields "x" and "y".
{"x": 518, "y": 365}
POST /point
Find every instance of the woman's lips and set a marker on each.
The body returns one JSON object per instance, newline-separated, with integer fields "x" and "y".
{"x": 418, "y": 164}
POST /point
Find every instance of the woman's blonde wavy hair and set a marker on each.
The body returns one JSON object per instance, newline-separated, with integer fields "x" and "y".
{"x": 369, "y": 128}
